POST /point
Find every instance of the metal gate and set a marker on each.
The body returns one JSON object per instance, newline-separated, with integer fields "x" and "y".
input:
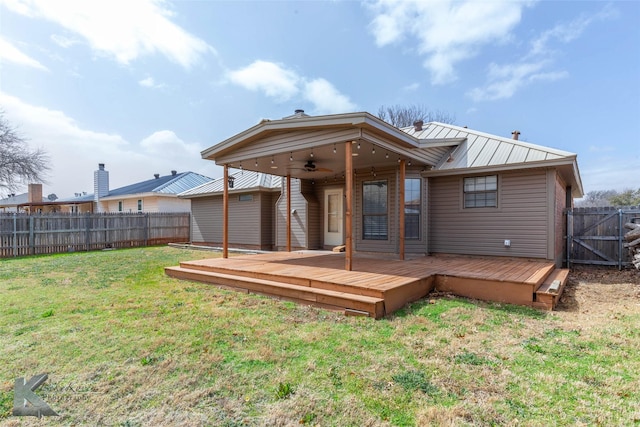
{"x": 596, "y": 235}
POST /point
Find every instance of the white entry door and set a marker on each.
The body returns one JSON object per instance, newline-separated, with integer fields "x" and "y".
{"x": 333, "y": 224}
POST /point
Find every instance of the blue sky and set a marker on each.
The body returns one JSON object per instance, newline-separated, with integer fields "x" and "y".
{"x": 143, "y": 86}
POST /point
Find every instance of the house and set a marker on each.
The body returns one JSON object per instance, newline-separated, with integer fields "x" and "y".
{"x": 253, "y": 197}
{"x": 153, "y": 195}
{"x": 357, "y": 181}
{"x": 159, "y": 194}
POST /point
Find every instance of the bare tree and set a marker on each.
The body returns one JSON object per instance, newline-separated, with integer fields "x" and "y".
{"x": 18, "y": 164}
{"x": 405, "y": 115}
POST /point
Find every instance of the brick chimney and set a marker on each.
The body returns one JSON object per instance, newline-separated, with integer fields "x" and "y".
{"x": 417, "y": 125}
{"x": 515, "y": 134}
{"x": 35, "y": 193}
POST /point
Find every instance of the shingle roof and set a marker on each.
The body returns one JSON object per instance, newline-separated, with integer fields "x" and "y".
{"x": 18, "y": 199}
{"x": 243, "y": 181}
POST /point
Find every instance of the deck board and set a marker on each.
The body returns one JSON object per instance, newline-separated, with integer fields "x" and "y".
{"x": 376, "y": 276}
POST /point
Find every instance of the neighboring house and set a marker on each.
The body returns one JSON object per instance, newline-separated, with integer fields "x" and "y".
{"x": 31, "y": 201}
{"x": 159, "y": 194}
{"x": 252, "y": 204}
{"x": 12, "y": 201}
{"x": 430, "y": 188}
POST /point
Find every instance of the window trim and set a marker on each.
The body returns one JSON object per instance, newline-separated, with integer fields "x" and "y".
{"x": 245, "y": 197}
{"x": 365, "y": 214}
{"x": 120, "y": 206}
{"x": 140, "y": 205}
{"x": 420, "y": 209}
{"x": 495, "y": 191}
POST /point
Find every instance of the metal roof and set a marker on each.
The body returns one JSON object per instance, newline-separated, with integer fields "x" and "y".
{"x": 478, "y": 149}
{"x": 169, "y": 184}
{"x": 244, "y": 181}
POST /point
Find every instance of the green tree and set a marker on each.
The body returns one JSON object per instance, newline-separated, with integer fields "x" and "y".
{"x": 19, "y": 164}
{"x": 626, "y": 198}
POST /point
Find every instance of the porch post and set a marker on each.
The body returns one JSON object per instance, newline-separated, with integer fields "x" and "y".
{"x": 348, "y": 175}
{"x": 225, "y": 213}
{"x": 288, "y": 213}
{"x": 403, "y": 173}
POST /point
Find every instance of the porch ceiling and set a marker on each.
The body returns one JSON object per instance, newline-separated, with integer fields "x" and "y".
{"x": 287, "y": 153}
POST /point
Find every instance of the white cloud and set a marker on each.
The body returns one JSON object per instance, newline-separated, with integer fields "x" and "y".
{"x": 166, "y": 141}
{"x": 445, "y": 31}
{"x": 326, "y": 98}
{"x": 282, "y": 84}
{"x": 411, "y": 87}
{"x": 75, "y": 151}
{"x": 122, "y": 29}
{"x": 273, "y": 79}
{"x": 63, "y": 41}
{"x": 10, "y": 53}
{"x": 150, "y": 83}
{"x": 504, "y": 80}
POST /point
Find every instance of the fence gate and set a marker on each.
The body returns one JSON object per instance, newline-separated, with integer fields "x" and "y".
{"x": 596, "y": 235}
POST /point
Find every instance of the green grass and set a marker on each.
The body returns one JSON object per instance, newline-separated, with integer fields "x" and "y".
{"x": 123, "y": 344}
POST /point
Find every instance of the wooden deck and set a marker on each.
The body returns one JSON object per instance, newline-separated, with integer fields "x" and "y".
{"x": 378, "y": 286}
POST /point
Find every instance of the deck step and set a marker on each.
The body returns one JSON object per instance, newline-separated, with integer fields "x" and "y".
{"x": 549, "y": 292}
{"x": 373, "y": 306}
{"x": 281, "y": 275}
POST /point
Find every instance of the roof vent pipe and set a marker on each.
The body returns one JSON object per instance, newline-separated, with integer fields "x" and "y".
{"x": 299, "y": 112}
{"x": 417, "y": 125}
{"x": 156, "y": 175}
{"x": 515, "y": 134}
{"x": 174, "y": 173}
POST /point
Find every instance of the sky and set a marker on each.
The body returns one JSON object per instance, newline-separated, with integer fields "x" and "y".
{"x": 144, "y": 86}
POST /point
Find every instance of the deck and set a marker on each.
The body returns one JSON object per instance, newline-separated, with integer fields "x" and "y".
{"x": 379, "y": 286}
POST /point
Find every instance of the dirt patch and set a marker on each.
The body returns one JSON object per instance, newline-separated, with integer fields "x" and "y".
{"x": 601, "y": 290}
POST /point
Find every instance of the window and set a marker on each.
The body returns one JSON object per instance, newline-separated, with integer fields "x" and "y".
{"x": 412, "y": 208}
{"x": 374, "y": 210}
{"x": 481, "y": 192}
{"x": 120, "y": 206}
{"x": 245, "y": 197}
{"x": 139, "y": 205}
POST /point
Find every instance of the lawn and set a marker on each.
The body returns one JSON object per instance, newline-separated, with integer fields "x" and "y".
{"x": 125, "y": 345}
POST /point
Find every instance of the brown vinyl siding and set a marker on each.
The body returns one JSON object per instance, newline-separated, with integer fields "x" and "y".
{"x": 247, "y": 227}
{"x": 299, "y": 220}
{"x": 560, "y": 220}
{"x": 521, "y": 216}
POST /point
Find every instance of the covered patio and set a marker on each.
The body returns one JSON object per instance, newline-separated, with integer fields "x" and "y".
{"x": 333, "y": 149}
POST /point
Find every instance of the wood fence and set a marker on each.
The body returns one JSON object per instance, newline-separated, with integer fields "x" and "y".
{"x": 22, "y": 234}
{"x": 596, "y": 235}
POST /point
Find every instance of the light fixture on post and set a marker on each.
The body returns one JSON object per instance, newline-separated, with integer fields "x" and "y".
{"x": 230, "y": 181}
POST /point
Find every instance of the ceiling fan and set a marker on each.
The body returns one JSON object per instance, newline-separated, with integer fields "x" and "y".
{"x": 310, "y": 166}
